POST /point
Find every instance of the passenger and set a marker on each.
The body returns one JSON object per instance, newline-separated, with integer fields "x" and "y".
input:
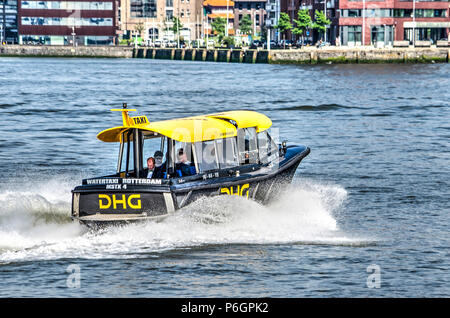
{"x": 183, "y": 165}
{"x": 158, "y": 171}
{"x": 150, "y": 166}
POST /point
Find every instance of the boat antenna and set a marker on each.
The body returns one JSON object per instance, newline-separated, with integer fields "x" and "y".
{"x": 125, "y": 118}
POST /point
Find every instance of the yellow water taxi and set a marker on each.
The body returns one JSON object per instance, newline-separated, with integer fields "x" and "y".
{"x": 165, "y": 165}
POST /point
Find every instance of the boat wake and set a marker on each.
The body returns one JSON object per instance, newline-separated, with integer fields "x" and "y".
{"x": 35, "y": 224}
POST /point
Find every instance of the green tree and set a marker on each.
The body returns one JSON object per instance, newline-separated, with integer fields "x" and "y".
{"x": 246, "y": 25}
{"x": 303, "y": 23}
{"x": 228, "y": 41}
{"x": 176, "y": 26}
{"x": 218, "y": 27}
{"x": 139, "y": 27}
{"x": 284, "y": 24}
{"x": 320, "y": 22}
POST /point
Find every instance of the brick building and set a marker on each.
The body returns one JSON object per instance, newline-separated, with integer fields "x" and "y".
{"x": 58, "y": 22}
{"x": 377, "y": 23}
{"x": 255, "y": 9}
{"x": 156, "y": 18}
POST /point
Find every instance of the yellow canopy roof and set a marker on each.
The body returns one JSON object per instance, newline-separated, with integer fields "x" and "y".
{"x": 192, "y": 129}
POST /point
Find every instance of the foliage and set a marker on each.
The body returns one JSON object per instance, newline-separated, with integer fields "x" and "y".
{"x": 177, "y": 26}
{"x": 284, "y": 23}
{"x": 228, "y": 41}
{"x": 302, "y": 23}
{"x": 139, "y": 27}
{"x": 320, "y": 22}
{"x": 218, "y": 27}
{"x": 246, "y": 25}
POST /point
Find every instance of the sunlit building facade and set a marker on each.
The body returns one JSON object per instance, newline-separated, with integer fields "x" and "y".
{"x": 155, "y": 18}
{"x": 255, "y": 9}
{"x": 57, "y": 22}
{"x": 377, "y": 23}
{"x": 8, "y": 22}
{"x": 219, "y": 9}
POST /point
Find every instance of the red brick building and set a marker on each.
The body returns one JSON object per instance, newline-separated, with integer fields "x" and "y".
{"x": 59, "y": 22}
{"x": 382, "y": 21}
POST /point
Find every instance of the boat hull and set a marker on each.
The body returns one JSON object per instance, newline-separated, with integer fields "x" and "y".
{"x": 119, "y": 202}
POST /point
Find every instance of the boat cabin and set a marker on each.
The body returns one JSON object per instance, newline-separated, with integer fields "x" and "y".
{"x": 180, "y": 148}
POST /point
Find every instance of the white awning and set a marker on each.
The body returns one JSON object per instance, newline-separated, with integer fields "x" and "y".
{"x": 410, "y": 24}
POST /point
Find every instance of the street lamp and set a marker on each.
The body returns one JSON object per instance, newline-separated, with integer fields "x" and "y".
{"x": 325, "y": 10}
{"x": 364, "y": 24}
{"x": 414, "y": 22}
{"x": 73, "y": 35}
{"x": 178, "y": 25}
{"x": 226, "y": 28}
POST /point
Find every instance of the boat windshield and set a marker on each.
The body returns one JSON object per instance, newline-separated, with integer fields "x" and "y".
{"x": 138, "y": 150}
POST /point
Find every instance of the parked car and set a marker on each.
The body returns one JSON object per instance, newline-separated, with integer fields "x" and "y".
{"x": 158, "y": 43}
{"x": 286, "y": 43}
{"x": 304, "y": 42}
{"x": 257, "y": 43}
{"x": 273, "y": 44}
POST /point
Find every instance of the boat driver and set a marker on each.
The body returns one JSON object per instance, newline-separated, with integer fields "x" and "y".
{"x": 183, "y": 165}
{"x": 158, "y": 171}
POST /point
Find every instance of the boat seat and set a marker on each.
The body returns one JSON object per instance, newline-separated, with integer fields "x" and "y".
{"x": 192, "y": 172}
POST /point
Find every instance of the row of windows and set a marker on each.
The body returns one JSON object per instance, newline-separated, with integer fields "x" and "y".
{"x": 143, "y": 9}
{"x": 397, "y": 13}
{"x": 248, "y": 147}
{"x": 67, "y": 21}
{"x": 66, "y": 5}
{"x": 185, "y": 159}
{"x": 249, "y": 6}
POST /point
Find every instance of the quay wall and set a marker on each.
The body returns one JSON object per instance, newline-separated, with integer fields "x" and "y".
{"x": 309, "y": 55}
{"x": 304, "y": 56}
{"x": 66, "y": 51}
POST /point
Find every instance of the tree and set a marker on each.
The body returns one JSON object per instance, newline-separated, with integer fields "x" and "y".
{"x": 321, "y": 22}
{"x": 139, "y": 27}
{"x": 218, "y": 27}
{"x": 303, "y": 23}
{"x": 228, "y": 41}
{"x": 177, "y": 26}
{"x": 246, "y": 25}
{"x": 284, "y": 24}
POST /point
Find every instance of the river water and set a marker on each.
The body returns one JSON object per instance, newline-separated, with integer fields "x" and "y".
{"x": 368, "y": 208}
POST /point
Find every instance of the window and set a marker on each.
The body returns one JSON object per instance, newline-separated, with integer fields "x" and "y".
{"x": 126, "y": 155}
{"x": 247, "y": 145}
{"x": 206, "y": 155}
{"x": 226, "y": 150}
{"x": 267, "y": 148}
{"x": 354, "y": 13}
{"x": 354, "y": 33}
{"x": 143, "y": 8}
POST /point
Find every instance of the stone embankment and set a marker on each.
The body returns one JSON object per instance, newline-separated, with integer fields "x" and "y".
{"x": 308, "y": 55}
{"x": 65, "y": 51}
